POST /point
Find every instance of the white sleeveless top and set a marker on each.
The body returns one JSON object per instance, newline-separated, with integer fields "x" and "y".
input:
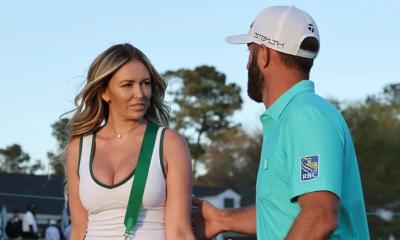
{"x": 106, "y": 205}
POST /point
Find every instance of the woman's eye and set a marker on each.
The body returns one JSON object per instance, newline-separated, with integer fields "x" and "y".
{"x": 147, "y": 83}
{"x": 127, "y": 85}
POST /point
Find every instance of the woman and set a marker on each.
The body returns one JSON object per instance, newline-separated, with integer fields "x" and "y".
{"x": 122, "y": 97}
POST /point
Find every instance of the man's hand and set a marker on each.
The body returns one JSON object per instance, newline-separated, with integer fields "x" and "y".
{"x": 209, "y": 221}
{"x": 205, "y": 219}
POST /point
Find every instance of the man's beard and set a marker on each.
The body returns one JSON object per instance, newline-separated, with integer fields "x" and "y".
{"x": 255, "y": 82}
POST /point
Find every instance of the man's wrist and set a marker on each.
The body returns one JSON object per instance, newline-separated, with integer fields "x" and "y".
{"x": 225, "y": 220}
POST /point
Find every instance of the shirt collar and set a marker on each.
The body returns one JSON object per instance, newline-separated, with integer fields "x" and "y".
{"x": 276, "y": 109}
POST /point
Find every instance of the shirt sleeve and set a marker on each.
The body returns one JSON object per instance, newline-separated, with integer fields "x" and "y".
{"x": 314, "y": 149}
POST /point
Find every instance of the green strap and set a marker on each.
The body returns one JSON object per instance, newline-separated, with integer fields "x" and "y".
{"x": 139, "y": 181}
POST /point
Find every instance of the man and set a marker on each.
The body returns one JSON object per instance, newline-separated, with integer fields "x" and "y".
{"x": 59, "y": 228}
{"x": 52, "y": 232}
{"x": 14, "y": 226}
{"x": 308, "y": 183}
{"x": 29, "y": 224}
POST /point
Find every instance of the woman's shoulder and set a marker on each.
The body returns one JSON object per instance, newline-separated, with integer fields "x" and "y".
{"x": 73, "y": 147}
{"x": 176, "y": 149}
{"x": 174, "y": 142}
{"x": 173, "y": 137}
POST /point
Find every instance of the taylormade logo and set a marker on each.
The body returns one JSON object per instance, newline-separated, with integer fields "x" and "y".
{"x": 311, "y": 27}
{"x": 268, "y": 40}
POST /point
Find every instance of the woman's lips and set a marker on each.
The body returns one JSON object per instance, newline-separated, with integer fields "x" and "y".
{"x": 137, "y": 106}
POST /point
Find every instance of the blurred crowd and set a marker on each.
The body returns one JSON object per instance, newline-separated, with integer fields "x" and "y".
{"x": 25, "y": 226}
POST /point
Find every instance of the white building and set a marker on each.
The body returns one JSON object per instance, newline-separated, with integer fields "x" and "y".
{"x": 221, "y": 198}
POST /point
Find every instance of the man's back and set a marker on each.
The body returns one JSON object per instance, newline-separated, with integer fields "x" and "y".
{"x": 52, "y": 233}
{"x": 307, "y": 147}
{"x": 14, "y": 228}
{"x": 352, "y": 213}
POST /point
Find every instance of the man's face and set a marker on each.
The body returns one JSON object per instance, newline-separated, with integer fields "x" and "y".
{"x": 255, "y": 83}
{"x": 33, "y": 208}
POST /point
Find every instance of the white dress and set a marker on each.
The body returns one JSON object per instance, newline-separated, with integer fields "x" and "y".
{"x": 106, "y": 205}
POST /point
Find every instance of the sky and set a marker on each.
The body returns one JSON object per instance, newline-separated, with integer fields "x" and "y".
{"x": 47, "y": 46}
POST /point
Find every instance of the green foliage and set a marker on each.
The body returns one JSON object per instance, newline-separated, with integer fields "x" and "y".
{"x": 375, "y": 128}
{"x": 205, "y": 104}
{"x": 61, "y": 133}
{"x": 392, "y": 94}
{"x": 14, "y": 160}
{"x": 35, "y": 167}
{"x": 232, "y": 161}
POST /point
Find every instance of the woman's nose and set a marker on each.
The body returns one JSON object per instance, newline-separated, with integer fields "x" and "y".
{"x": 138, "y": 91}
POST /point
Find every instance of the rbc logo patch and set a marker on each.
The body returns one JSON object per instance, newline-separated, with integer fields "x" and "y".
{"x": 309, "y": 167}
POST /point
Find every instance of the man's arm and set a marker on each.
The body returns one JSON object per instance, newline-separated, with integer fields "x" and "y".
{"x": 317, "y": 218}
{"x": 318, "y": 195}
{"x": 210, "y": 221}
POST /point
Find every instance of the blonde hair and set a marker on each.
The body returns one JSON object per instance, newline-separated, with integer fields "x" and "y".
{"x": 92, "y": 111}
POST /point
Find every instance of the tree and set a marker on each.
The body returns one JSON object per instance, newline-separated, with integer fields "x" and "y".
{"x": 391, "y": 94}
{"x": 35, "y": 167}
{"x": 61, "y": 133}
{"x": 14, "y": 160}
{"x": 232, "y": 161}
{"x": 375, "y": 128}
{"x": 205, "y": 103}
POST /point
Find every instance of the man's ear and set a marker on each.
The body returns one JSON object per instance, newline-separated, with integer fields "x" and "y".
{"x": 264, "y": 55}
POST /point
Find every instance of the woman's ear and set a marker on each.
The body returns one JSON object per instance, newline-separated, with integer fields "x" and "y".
{"x": 106, "y": 96}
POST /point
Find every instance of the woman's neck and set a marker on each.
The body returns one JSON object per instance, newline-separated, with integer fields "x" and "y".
{"x": 118, "y": 129}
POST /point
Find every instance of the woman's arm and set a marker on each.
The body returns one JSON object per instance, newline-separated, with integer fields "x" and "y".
{"x": 78, "y": 212}
{"x": 179, "y": 187}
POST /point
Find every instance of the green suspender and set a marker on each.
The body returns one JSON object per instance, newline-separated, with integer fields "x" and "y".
{"x": 139, "y": 181}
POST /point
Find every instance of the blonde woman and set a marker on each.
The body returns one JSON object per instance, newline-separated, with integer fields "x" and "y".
{"x": 122, "y": 99}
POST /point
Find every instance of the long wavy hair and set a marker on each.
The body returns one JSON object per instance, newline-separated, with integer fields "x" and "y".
{"x": 92, "y": 111}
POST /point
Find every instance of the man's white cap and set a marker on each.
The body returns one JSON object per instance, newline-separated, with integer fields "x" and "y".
{"x": 281, "y": 28}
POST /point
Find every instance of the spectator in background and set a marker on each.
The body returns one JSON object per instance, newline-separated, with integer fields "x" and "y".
{"x": 29, "y": 224}
{"x": 14, "y": 226}
{"x": 43, "y": 232}
{"x": 67, "y": 231}
{"x": 52, "y": 232}
{"x": 58, "y": 225}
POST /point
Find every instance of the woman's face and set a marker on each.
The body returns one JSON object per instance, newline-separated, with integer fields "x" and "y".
{"x": 129, "y": 92}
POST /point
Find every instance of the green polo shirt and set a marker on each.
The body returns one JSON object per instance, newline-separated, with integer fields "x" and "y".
{"x": 307, "y": 147}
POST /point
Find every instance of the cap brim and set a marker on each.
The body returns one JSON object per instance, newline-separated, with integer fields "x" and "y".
{"x": 237, "y": 39}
